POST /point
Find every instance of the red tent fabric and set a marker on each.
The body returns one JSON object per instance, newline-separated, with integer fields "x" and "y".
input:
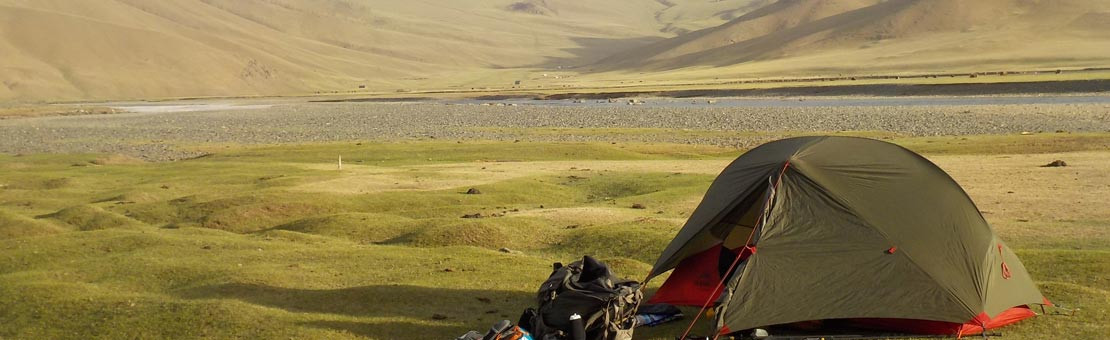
{"x": 694, "y": 279}
{"x": 974, "y": 326}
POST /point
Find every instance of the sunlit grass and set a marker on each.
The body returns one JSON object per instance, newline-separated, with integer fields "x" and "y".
{"x": 272, "y": 241}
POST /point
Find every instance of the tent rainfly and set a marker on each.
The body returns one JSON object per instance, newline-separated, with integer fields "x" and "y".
{"x": 844, "y": 229}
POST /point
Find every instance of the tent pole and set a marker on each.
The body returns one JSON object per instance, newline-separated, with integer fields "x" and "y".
{"x": 747, "y": 246}
{"x": 762, "y": 222}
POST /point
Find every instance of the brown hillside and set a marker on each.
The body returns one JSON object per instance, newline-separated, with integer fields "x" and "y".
{"x": 55, "y": 50}
{"x": 936, "y": 31}
{"x": 62, "y": 50}
{"x": 772, "y": 18}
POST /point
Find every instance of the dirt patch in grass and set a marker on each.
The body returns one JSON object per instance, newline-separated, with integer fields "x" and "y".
{"x": 116, "y": 159}
{"x": 1013, "y": 189}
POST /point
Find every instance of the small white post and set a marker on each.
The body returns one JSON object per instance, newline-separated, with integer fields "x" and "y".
{"x": 340, "y": 162}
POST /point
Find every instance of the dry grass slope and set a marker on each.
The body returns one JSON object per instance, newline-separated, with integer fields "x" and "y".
{"x": 64, "y": 50}
{"x": 130, "y": 49}
{"x": 800, "y": 36}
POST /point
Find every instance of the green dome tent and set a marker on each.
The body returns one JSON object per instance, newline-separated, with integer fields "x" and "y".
{"x": 848, "y": 229}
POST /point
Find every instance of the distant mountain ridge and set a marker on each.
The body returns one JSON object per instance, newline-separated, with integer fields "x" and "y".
{"x": 58, "y": 50}
{"x": 803, "y": 27}
{"x": 72, "y": 50}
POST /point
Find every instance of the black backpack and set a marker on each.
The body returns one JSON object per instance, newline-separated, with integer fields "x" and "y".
{"x": 588, "y": 288}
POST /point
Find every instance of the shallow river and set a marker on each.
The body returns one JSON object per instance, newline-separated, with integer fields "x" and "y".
{"x": 807, "y": 102}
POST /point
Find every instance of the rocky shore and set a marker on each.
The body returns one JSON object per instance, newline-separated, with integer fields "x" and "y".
{"x": 162, "y": 136}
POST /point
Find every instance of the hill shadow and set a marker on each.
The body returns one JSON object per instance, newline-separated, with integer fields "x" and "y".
{"x": 423, "y": 303}
{"x": 764, "y": 47}
{"x": 591, "y": 50}
{"x": 394, "y": 330}
{"x": 770, "y": 46}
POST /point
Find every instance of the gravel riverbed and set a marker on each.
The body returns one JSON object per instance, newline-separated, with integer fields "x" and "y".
{"x": 161, "y": 136}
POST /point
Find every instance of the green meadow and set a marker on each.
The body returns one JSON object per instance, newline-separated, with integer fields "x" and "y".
{"x": 279, "y": 241}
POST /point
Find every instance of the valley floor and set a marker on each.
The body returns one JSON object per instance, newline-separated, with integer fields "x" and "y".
{"x": 254, "y": 230}
{"x": 186, "y": 129}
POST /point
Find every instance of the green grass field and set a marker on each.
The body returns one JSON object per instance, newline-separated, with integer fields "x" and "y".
{"x": 278, "y": 242}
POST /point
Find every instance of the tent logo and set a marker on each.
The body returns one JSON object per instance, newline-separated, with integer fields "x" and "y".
{"x": 1005, "y": 268}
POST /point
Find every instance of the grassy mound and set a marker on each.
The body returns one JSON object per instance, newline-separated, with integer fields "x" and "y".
{"x": 475, "y": 234}
{"x": 87, "y": 217}
{"x": 489, "y": 233}
{"x": 39, "y": 183}
{"x": 296, "y": 237}
{"x": 13, "y": 225}
{"x": 657, "y": 187}
{"x": 358, "y": 227}
{"x": 640, "y": 240}
{"x": 258, "y": 216}
{"x": 133, "y": 197}
{"x": 240, "y": 214}
{"x": 182, "y": 209}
